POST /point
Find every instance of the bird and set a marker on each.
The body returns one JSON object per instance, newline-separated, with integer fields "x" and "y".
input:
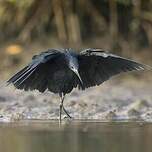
{"x": 61, "y": 70}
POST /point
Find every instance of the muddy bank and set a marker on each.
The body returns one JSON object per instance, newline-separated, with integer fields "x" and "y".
{"x": 110, "y": 101}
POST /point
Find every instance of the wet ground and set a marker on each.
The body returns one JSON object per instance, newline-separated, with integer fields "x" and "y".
{"x": 76, "y": 136}
{"x": 114, "y": 100}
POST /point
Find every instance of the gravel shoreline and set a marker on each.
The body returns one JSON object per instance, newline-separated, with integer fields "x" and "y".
{"x": 110, "y": 101}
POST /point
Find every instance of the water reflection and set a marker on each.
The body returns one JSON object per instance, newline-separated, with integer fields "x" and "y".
{"x": 75, "y": 137}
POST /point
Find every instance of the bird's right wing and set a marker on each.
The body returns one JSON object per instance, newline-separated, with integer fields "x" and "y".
{"x": 34, "y": 75}
{"x": 97, "y": 66}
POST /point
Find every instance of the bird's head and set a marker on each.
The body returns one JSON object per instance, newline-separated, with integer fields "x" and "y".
{"x": 74, "y": 66}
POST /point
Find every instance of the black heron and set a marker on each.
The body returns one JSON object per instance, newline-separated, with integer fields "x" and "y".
{"x": 61, "y": 70}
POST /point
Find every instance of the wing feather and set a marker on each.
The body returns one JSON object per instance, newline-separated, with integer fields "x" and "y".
{"x": 35, "y": 74}
{"x": 97, "y": 66}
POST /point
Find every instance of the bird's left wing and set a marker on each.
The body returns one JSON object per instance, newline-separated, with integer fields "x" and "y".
{"x": 34, "y": 75}
{"x": 97, "y": 66}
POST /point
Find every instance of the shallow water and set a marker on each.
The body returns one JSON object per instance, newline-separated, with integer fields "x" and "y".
{"x": 35, "y": 136}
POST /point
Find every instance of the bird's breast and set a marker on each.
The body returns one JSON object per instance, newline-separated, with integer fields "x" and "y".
{"x": 60, "y": 74}
{"x": 62, "y": 77}
{"x": 61, "y": 82}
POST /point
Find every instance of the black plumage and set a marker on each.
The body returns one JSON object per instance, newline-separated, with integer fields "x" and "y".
{"x": 61, "y": 70}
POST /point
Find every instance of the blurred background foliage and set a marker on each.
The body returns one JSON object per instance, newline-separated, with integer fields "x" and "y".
{"x": 123, "y": 26}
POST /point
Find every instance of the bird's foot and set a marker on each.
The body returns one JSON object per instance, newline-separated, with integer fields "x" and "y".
{"x": 68, "y": 115}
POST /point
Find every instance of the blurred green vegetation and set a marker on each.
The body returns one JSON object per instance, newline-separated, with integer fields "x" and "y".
{"x": 76, "y": 22}
{"x": 123, "y": 26}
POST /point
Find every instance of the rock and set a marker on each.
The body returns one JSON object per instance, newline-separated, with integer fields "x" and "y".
{"x": 111, "y": 115}
{"x": 2, "y": 99}
{"x": 133, "y": 113}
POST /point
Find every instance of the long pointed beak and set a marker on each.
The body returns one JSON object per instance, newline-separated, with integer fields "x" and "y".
{"x": 78, "y": 75}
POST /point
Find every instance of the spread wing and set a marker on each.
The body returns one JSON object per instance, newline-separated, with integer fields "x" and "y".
{"x": 97, "y": 66}
{"x": 35, "y": 74}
